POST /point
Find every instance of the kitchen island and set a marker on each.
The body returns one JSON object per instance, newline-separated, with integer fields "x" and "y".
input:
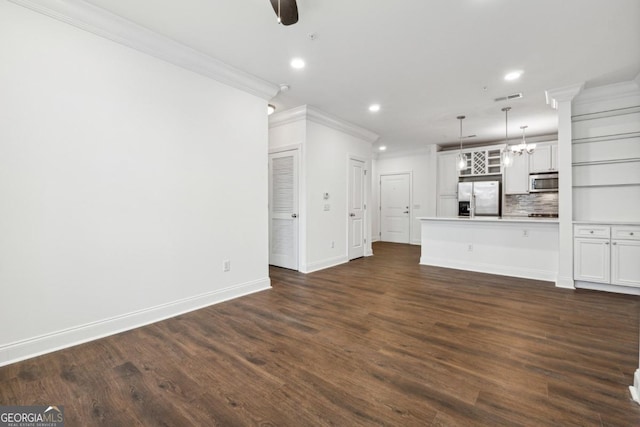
{"x": 510, "y": 246}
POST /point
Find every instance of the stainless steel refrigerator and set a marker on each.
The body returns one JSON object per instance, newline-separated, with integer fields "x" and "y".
{"x": 480, "y": 198}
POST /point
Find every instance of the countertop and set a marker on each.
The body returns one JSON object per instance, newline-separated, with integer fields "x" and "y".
{"x": 519, "y": 219}
{"x": 636, "y": 223}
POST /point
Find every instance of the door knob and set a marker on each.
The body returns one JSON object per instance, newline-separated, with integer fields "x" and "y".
{"x": 352, "y": 214}
{"x": 294, "y": 215}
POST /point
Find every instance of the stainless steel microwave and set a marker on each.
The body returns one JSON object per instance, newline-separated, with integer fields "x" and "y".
{"x": 543, "y": 182}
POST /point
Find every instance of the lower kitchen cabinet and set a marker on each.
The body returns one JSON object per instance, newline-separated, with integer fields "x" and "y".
{"x": 607, "y": 254}
{"x": 591, "y": 260}
{"x": 625, "y": 262}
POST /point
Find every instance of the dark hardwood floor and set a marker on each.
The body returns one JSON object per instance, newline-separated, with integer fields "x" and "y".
{"x": 378, "y": 341}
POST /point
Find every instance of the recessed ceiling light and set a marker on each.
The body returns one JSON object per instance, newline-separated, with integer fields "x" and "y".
{"x": 297, "y": 63}
{"x": 382, "y": 147}
{"x": 514, "y": 75}
{"x": 374, "y": 107}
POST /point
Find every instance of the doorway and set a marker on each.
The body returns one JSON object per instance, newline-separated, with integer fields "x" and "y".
{"x": 395, "y": 212}
{"x": 356, "y": 238}
{"x": 283, "y": 209}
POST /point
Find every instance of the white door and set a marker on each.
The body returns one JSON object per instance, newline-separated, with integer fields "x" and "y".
{"x": 447, "y": 206}
{"x": 591, "y": 260}
{"x": 516, "y": 176}
{"x": 395, "y": 219}
{"x": 283, "y": 209}
{"x": 625, "y": 268}
{"x": 356, "y": 209}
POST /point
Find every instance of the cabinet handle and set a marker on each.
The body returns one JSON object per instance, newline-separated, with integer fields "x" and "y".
{"x": 614, "y": 243}
{"x": 606, "y": 243}
{"x": 591, "y": 231}
{"x": 631, "y": 234}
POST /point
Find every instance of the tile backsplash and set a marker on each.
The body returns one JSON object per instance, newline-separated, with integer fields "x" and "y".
{"x": 524, "y": 204}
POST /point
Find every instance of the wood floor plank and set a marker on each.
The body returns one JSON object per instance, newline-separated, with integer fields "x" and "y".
{"x": 377, "y": 341}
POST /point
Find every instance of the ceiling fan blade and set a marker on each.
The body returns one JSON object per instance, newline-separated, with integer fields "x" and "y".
{"x": 288, "y": 11}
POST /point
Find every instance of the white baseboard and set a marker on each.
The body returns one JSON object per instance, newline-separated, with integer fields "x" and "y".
{"x": 635, "y": 388}
{"x": 627, "y": 290}
{"x": 32, "y": 347}
{"x": 326, "y": 263}
{"x": 565, "y": 282}
{"x": 501, "y": 270}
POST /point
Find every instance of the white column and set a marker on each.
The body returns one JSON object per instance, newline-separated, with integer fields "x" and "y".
{"x": 432, "y": 170}
{"x": 635, "y": 388}
{"x": 560, "y": 99}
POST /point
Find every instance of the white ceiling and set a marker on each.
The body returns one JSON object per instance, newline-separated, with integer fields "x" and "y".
{"x": 424, "y": 61}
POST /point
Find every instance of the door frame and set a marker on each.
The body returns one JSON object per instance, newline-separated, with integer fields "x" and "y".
{"x": 302, "y": 207}
{"x": 366, "y": 201}
{"x": 380, "y": 175}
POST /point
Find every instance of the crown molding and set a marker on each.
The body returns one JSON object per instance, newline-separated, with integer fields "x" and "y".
{"x": 322, "y": 118}
{"x": 98, "y": 21}
{"x": 312, "y": 114}
{"x": 288, "y": 116}
{"x": 609, "y": 92}
{"x": 562, "y": 94}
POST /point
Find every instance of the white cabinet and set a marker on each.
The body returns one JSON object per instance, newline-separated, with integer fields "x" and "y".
{"x": 447, "y": 173}
{"x": 544, "y": 158}
{"x": 447, "y": 203}
{"x": 516, "y": 176}
{"x": 591, "y": 260}
{"x": 447, "y": 206}
{"x": 607, "y": 254}
{"x": 625, "y": 256}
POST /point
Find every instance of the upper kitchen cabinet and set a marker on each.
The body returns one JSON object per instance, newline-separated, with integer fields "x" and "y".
{"x": 447, "y": 202}
{"x": 447, "y": 173}
{"x": 483, "y": 161}
{"x": 544, "y": 158}
{"x": 516, "y": 176}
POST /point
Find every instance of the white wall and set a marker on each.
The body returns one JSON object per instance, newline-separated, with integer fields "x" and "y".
{"x": 327, "y": 159}
{"x": 125, "y": 182}
{"x": 326, "y": 144}
{"x": 423, "y": 167}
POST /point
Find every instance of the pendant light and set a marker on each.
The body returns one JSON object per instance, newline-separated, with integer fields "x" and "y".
{"x": 462, "y": 159}
{"x": 507, "y": 153}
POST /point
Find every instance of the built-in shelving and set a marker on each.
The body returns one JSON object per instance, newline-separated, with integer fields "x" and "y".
{"x": 606, "y": 163}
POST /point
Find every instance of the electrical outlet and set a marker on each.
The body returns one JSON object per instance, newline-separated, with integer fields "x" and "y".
{"x": 470, "y": 248}
{"x": 525, "y": 233}
{"x": 226, "y": 265}
{"x": 333, "y": 244}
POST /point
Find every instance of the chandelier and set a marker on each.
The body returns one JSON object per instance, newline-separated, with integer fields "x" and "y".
{"x": 523, "y": 146}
